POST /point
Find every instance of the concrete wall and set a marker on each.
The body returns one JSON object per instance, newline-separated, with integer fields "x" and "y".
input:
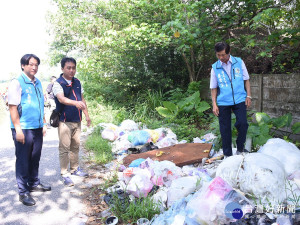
{"x": 276, "y": 95}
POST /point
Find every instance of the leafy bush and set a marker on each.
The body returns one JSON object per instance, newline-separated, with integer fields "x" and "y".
{"x": 188, "y": 102}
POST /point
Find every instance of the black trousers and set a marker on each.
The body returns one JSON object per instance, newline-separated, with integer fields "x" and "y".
{"x": 28, "y": 159}
{"x": 225, "y": 126}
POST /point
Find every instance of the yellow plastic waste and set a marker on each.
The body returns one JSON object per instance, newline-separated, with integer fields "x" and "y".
{"x": 159, "y": 153}
{"x": 153, "y": 134}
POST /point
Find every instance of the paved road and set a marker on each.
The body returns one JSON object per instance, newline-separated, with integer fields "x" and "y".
{"x": 61, "y": 206}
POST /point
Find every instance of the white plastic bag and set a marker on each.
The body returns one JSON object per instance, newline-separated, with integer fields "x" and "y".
{"x": 256, "y": 173}
{"x": 181, "y": 187}
{"x": 109, "y": 134}
{"x": 128, "y": 125}
{"x": 139, "y": 186}
{"x": 287, "y": 153}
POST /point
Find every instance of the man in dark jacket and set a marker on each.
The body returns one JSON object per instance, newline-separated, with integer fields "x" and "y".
{"x": 70, "y": 103}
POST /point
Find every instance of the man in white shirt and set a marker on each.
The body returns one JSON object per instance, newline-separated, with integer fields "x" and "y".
{"x": 230, "y": 92}
{"x": 26, "y": 106}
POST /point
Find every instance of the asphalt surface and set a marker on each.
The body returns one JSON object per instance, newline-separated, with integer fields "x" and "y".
{"x": 60, "y": 206}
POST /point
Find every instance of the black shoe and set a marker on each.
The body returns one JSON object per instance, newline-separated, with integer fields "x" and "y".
{"x": 40, "y": 188}
{"x": 242, "y": 152}
{"x": 26, "y": 199}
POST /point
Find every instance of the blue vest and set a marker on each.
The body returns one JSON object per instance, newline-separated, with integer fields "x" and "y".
{"x": 230, "y": 92}
{"x": 31, "y": 108}
{"x": 72, "y": 91}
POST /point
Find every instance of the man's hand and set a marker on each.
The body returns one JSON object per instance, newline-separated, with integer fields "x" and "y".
{"x": 248, "y": 102}
{"x": 44, "y": 130}
{"x": 20, "y": 136}
{"x": 80, "y": 105}
{"x": 216, "y": 110}
{"x": 88, "y": 121}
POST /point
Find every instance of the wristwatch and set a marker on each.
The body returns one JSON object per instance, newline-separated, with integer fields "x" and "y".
{"x": 249, "y": 97}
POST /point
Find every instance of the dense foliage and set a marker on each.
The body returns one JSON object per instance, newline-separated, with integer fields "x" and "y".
{"x": 128, "y": 46}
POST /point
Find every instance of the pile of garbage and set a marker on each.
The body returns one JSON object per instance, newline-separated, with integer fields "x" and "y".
{"x": 254, "y": 188}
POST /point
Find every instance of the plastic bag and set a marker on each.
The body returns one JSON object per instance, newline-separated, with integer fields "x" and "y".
{"x": 109, "y": 134}
{"x": 139, "y": 186}
{"x": 287, "y": 153}
{"x": 257, "y": 174}
{"x": 139, "y": 137}
{"x": 136, "y": 163}
{"x": 207, "y": 205}
{"x": 181, "y": 188}
{"x": 128, "y": 125}
{"x": 153, "y": 134}
{"x": 164, "y": 172}
{"x": 121, "y": 144}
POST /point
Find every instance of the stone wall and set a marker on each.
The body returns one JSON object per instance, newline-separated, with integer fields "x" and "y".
{"x": 276, "y": 95}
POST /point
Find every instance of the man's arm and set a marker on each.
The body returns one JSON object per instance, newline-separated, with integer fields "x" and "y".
{"x": 214, "y": 92}
{"x": 14, "y": 114}
{"x": 66, "y": 101}
{"x": 248, "y": 90}
{"x": 85, "y": 111}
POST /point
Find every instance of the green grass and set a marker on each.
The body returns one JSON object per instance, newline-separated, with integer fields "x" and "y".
{"x": 100, "y": 147}
{"x": 132, "y": 211}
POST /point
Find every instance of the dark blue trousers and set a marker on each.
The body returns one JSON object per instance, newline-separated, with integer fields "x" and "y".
{"x": 28, "y": 159}
{"x": 225, "y": 126}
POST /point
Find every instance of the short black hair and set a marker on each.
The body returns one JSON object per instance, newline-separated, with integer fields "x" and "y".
{"x": 52, "y": 77}
{"x": 220, "y": 46}
{"x": 25, "y": 59}
{"x": 67, "y": 59}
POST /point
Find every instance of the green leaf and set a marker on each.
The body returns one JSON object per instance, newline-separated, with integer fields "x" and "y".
{"x": 282, "y": 121}
{"x": 296, "y": 128}
{"x": 262, "y": 118}
{"x": 170, "y": 106}
{"x": 202, "y": 106}
{"x": 253, "y": 130}
{"x": 164, "y": 112}
{"x": 193, "y": 98}
{"x": 261, "y": 140}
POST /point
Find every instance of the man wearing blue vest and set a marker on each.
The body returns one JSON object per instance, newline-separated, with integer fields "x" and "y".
{"x": 70, "y": 103}
{"x": 230, "y": 92}
{"x": 26, "y": 106}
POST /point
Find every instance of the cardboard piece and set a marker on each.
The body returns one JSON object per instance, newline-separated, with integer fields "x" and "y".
{"x": 180, "y": 154}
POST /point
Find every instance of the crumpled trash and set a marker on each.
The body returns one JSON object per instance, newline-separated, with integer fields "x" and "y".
{"x": 139, "y": 186}
{"x": 139, "y": 137}
{"x": 164, "y": 172}
{"x": 128, "y": 125}
{"x": 175, "y": 211}
{"x": 287, "y": 153}
{"x": 109, "y": 134}
{"x": 136, "y": 162}
{"x": 142, "y": 148}
{"x": 258, "y": 174}
{"x": 181, "y": 188}
{"x": 161, "y": 196}
{"x": 121, "y": 144}
{"x": 207, "y": 206}
{"x": 167, "y": 138}
{"x": 154, "y": 134}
